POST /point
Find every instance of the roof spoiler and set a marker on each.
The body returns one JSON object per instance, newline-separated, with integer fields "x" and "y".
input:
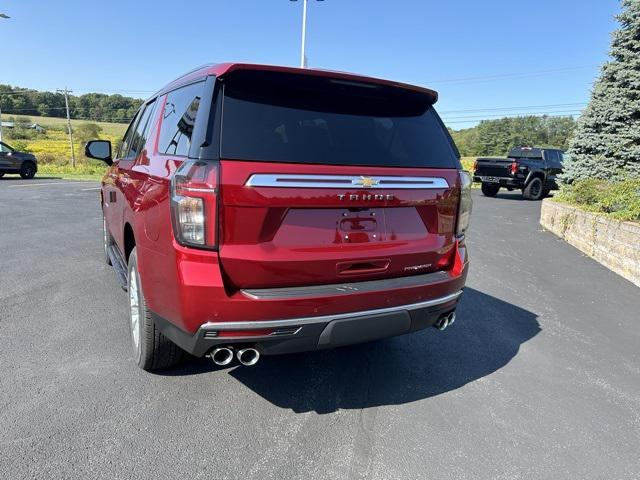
{"x": 333, "y": 75}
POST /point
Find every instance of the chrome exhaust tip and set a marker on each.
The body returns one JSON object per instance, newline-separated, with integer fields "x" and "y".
{"x": 222, "y": 356}
{"x": 444, "y": 321}
{"x": 248, "y": 356}
{"x": 452, "y": 318}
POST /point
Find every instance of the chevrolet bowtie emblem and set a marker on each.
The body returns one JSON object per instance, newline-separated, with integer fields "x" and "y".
{"x": 366, "y": 182}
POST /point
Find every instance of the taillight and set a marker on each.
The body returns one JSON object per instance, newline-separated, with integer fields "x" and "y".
{"x": 464, "y": 209}
{"x": 475, "y": 165}
{"x": 514, "y": 168}
{"x": 194, "y": 204}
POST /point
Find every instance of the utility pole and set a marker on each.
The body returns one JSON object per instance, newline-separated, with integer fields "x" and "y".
{"x": 303, "y": 59}
{"x": 66, "y": 92}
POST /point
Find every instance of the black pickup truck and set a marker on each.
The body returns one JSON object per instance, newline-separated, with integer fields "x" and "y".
{"x": 532, "y": 170}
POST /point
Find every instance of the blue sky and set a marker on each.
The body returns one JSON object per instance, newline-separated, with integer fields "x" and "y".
{"x": 486, "y": 58}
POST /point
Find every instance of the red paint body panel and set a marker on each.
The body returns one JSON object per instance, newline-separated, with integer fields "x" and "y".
{"x": 275, "y": 237}
{"x": 272, "y": 237}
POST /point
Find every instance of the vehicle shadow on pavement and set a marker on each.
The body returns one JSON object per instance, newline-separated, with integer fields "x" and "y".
{"x": 486, "y": 336}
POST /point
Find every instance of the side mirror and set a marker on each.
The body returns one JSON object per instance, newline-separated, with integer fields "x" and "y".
{"x": 100, "y": 150}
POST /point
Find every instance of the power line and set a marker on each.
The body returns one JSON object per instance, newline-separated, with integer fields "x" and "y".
{"x": 39, "y": 92}
{"x": 510, "y": 75}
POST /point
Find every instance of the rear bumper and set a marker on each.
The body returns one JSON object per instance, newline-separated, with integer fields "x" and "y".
{"x": 272, "y": 337}
{"x": 194, "y": 309}
{"x": 502, "y": 181}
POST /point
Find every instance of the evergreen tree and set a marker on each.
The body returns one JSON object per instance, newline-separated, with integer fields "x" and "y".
{"x": 606, "y": 143}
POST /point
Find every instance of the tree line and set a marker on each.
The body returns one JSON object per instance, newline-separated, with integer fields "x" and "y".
{"x": 98, "y": 107}
{"x": 496, "y": 137}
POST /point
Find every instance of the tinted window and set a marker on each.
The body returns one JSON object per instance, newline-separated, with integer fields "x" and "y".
{"x": 4, "y": 148}
{"x": 126, "y": 141}
{"x": 525, "y": 153}
{"x": 319, "y": 120}
{"x": 178, "y": 119}
{"x": 139, "y": 136}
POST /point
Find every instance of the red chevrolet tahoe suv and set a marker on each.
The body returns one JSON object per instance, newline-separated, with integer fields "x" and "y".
{"x": 264, "y": 210}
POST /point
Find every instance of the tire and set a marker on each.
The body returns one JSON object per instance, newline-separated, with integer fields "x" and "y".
{"x": 490, "y": 190}
{"x": 152, "y": 350}
{"x": 107, "y": 240}
{"x": 533, "y": 190}
{"x": 28, "y": 170}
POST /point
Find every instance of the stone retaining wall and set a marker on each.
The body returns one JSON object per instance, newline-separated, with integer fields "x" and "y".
{"x": 614, "y": 244}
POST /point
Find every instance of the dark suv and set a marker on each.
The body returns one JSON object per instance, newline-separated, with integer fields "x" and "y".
{"x": 12, "y": 161}
{"x": 263, "y": 210}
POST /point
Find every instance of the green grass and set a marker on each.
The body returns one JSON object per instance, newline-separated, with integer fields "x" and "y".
{"x": 52, "y": 148}
{"x": 55, "y": 123}
{"x": 88, "y": 170}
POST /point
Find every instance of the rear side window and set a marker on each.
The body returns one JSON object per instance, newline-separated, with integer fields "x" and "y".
{"x": 178, "y": 118}
{"x": 139, "y": 136}
{"x": 125, "y": 146}
{"x": 277, "y": 117}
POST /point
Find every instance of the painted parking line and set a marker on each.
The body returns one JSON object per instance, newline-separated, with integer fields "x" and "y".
{"x": 89, "y": 189}
{"x": 47, "y": 183}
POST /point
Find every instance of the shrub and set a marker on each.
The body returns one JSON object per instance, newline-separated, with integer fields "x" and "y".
{"x": 21, "y": 146}
{"x": 21, "y": 133}
{"x": 620, "y": 200}
{"x": 48, "y": 158}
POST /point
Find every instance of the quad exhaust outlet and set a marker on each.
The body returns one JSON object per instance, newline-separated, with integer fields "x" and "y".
{"x": 248, "y": 356}
{"x": 445, "y": 320}
{"x": 222, "y": 356}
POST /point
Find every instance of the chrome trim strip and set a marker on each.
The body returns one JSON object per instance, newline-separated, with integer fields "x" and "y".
{"x": 344, "y": 288}
{"x": 326, "y": 318}
{"x": 344, "y": 181}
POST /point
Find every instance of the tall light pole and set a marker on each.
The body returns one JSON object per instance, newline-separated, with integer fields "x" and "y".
{"x": 303, "y": 60}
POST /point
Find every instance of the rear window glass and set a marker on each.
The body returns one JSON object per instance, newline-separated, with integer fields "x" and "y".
{"x": 303, "y": 119}
{"x": 525, "y": 153}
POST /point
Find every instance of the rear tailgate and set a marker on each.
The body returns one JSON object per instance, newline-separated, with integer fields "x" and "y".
{"x": 326, "y": 184}
{"x": 285, "y": 236}
{"x": 493, "y": 167}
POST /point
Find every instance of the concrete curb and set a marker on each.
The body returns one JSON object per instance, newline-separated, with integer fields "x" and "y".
{"x": 613, "y": 243}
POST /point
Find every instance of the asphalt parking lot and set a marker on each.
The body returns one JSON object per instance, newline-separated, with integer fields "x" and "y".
{"x": 539, "y": 377}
